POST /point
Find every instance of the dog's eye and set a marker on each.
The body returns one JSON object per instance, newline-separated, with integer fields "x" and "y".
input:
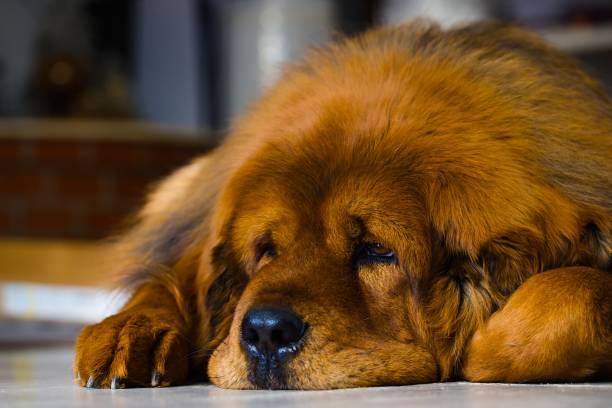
{"x": 265, "y": 250}
{"x": 370, "y": 252}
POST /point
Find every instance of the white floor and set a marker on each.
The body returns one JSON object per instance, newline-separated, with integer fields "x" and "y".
{"x": 42, "y": 378}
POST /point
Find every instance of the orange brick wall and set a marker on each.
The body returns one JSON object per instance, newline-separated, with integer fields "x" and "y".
{"x": 80, "y": 189}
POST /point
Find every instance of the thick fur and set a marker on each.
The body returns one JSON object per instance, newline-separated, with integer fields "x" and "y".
{"x": 479, "y": 154}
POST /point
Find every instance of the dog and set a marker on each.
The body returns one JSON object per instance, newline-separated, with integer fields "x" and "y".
{"x": 412, "y": 205}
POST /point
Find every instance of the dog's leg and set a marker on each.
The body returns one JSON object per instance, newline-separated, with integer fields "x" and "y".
{"x": 143, "y": 345}
{"x": 556, "y": 327}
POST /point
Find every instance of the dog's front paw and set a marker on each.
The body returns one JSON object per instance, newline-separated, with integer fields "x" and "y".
{"x": 553, "y": 328}
{"x": 142, "y": 347}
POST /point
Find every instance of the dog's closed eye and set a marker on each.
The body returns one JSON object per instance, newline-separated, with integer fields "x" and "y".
{"x": 265, "y": 249}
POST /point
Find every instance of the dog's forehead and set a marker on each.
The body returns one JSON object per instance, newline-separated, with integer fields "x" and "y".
{"x": 302, "y": 193}
{"x": 347, "y": 159}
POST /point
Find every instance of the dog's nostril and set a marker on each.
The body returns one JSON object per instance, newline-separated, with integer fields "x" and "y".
{"x": 276, "y": 337}
{"x": 268, "y": 330}
{"x": 250, "y": 335}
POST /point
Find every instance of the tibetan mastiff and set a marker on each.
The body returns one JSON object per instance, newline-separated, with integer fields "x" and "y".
{"x": 412, "y": 205}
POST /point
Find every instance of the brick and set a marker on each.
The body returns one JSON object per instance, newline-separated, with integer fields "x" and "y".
{"x": 83, "y": 185}
{"x": 21, "y": 182}
{"x": 5, "y": 222}
{"x": 58, "y": 222}
{"x": 118, "y": 153}
{"x": 10, "y": 151}
{"x": 57, "y": 152}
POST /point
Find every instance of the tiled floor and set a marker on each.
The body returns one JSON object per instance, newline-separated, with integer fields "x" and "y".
{"x": 42, "y": 378}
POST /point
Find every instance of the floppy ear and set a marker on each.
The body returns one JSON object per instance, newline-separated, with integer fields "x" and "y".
{"x": 221, "y": 281}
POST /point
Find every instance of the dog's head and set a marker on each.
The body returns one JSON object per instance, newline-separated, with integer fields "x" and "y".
{"x": 329, "y": 224}
{"x": 331, "y": 236}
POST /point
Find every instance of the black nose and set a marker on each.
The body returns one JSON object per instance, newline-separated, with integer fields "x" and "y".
{"x": 271, "y": 331}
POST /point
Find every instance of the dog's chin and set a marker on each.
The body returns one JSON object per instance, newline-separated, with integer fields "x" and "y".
{"x": 329, "y": 366}
{"x": 230, "y": 368}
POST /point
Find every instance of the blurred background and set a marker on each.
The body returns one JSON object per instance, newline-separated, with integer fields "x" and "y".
{"x": 99, "y": 98}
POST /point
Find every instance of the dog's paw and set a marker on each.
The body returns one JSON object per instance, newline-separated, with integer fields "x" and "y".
{"x": 548, "y": 330}
{"x": 142, "y": 348}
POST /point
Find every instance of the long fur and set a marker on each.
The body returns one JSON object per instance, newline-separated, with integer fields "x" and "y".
{"x": 498, "y": 148}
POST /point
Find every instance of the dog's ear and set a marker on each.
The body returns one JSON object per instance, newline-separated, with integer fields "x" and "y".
{"x": 221, "y": 281}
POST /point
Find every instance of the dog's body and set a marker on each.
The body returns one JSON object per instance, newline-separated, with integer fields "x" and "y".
{"x": 410, "y": 206}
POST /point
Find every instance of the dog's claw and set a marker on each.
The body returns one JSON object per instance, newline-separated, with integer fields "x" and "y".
{"x": 155, "y": 378}
{"x": 117, "y": 383}
{"x": 91, "y": 382}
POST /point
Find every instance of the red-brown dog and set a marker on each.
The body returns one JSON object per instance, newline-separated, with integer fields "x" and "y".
{"x": 409, "y": 206}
